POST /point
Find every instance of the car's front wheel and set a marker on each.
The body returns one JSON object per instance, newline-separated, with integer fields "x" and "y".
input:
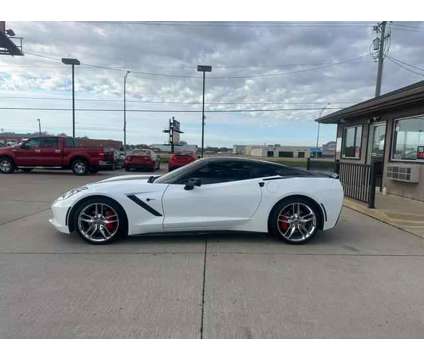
{"x": 294, "y": 220}
{"x": 99, "y": 221}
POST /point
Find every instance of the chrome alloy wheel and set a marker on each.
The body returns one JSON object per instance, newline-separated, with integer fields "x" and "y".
{"x": 296, "y": 222}
{"x": 5, "y": 165}
{"x": 80, "y": 167}
{"x": 98, "y": 222}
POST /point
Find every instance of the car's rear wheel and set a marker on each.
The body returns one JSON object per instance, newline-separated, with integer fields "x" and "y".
{"x": 294, "y": 220}
{"x": 79, "y": 167}
{"x": 99, "y": 221}
{"x": 6, "y": 165}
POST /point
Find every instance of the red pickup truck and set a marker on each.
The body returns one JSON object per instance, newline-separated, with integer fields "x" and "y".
{"x": 58, "y": 152}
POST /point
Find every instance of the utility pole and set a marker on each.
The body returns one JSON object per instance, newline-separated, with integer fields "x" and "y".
{"x": 125, "y": 110}
{"x": 379, "y": 45}
{"x": 320, "y": 114}
{"x": 39, "y": 126}
{"x": 73, "y": 62}
{"x": 203, "y": 69}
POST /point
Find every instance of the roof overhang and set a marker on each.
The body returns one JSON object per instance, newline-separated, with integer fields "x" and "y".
{"x": 407, "y": 96}
{"x": 8, "y": 47}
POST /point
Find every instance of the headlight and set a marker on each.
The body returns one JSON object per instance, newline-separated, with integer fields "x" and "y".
{"x": 72, "y": 192}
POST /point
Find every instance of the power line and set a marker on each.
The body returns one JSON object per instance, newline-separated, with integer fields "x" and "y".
{"x": 324, "y": 65}
{"x": 407, "y": 64}
{"x": 248, "y": 24}
{"x": 167, "y": 111}
{"x": 404, "y": 67}
{"x": 178, "y": 102}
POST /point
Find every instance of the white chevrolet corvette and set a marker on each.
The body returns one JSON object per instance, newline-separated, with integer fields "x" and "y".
{"x": 213, "y": 194}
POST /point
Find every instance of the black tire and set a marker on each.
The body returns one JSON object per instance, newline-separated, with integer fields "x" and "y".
{"x": 79, "y": 167}
{"x": 7, "y": 166}
{"x": 26, "y": 170}
{"x": 284, "y": 210}
{"x": 122, "y": 225}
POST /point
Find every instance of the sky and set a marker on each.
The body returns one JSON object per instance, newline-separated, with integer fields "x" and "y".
{"x": 296, "y": 70}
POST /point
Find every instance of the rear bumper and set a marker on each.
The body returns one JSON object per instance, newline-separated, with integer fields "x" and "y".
{"x": 102, "y": 164}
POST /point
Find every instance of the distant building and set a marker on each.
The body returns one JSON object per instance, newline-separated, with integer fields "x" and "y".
{"x": 329, "y": 149}
{"x": 107, "y": 144}
{"x": 273, "y": 151}
{"x": 167, "y": 147}
{"x": 10, "y": 138}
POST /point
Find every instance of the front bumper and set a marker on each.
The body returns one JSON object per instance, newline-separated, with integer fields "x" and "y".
{"x": 60, "y": 217}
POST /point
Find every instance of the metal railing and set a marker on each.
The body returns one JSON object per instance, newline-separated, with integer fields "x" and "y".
{"x": 359, "y": 181}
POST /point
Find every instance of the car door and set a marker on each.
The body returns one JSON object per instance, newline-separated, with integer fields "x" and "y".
{"x": 49, "y": 153}
{"x": 227, "y": 197}
{"x": 26, "y": 154}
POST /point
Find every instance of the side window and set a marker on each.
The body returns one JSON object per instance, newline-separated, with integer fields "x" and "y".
{"x": 70, "y": 142}
{"x": 277, "y": 170}
{"x": 49, "y": 143}
{"x": 217, "y": 172}
{"x": 33, "y": 143}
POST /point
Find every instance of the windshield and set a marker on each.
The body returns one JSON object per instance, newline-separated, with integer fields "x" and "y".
{"x": 170, "y": 177}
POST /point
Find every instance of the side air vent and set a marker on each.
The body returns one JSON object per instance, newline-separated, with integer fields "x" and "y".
{"x": 405, "y": 173}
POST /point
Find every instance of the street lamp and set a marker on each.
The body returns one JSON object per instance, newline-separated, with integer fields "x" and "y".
{"x": 73, "y": 62}
{"x": 125, "y": 110}
{"x": 204, "y": 69}
{"x": 320, "y": 114}
{"x": 39, "y": 126}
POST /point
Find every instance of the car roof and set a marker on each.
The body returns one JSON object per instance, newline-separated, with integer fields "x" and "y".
{"x": 240, "y": 159}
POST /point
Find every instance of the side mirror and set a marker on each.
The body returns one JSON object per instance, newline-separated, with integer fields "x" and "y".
{"x": 24, "y": 146}
{"x": 191, "y": 183}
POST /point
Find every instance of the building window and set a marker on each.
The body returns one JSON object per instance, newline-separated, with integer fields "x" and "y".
{"x": 301, "y": 154}
{"x": 270, "y": 153}
{"x": 352, "y": 137}
{"x": 408, "y": 139}
{"x": 285, "y": 154}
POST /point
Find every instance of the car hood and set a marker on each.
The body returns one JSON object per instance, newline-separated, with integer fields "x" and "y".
{"x": 124, "y": 178}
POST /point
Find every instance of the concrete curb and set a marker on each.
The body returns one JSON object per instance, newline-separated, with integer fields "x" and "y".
{"x": 378, "y": 215}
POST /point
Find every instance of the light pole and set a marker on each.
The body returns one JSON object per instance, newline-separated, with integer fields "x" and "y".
{"x": 204, "y": 69}
{"x": 39, "y": 126}
{"x": 73, "y": 62}
{"x": 125, "y": 110}
{"x": 320, "y": 114}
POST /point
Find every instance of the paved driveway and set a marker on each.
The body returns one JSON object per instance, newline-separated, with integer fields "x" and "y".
{"x": 362, "y": 279}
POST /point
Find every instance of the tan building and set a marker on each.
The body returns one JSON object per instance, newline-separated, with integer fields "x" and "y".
{"x": 388, "y": 131}
{"x": 272, "y": 151}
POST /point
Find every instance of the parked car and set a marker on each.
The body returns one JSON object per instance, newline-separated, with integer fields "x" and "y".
{"x": 142, "y": 159}
{"x": 180, "y": 159}
{"x": 53, "y": 152}
{"x": 215, "y": 194}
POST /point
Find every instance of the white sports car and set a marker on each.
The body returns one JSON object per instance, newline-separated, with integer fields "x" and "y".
{"x": 210, "y": 194}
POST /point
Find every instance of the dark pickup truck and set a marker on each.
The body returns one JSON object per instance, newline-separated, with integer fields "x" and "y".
{"x": 55, "y": 152}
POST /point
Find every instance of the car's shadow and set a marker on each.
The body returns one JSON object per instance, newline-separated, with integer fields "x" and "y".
{"x": 187, "y": 238}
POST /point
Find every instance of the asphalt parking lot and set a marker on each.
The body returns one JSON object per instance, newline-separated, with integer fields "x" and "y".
{"x": 362, "y": 279}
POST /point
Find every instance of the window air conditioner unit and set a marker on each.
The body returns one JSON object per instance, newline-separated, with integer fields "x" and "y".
{"x": 405, "y": 173}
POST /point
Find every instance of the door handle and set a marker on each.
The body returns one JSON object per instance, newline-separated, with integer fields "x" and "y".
{"x": 37, "y": 150}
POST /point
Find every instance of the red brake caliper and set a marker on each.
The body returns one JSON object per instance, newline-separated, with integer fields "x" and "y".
{"x": 283, "y": 222}
{"x": 110, "y": 226}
